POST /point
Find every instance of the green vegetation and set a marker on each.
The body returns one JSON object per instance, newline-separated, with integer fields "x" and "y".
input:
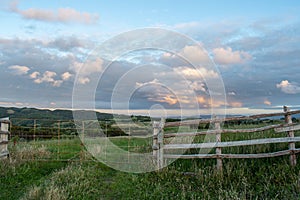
{"x": 52, "y": 168}
{"x": 77, "y": 176}
{"x": 32, "y": 123}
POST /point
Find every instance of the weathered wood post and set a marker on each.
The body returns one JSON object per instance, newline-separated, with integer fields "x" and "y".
{"x": 4, "y": 132}
{"x": 58, "y": 139}
{"x": 288, "y": 120}
{"x": 158, "y": 137}
{"x": 34, "y": 129}
{"x": 217, "y": 127}
{"x": 82, "y": 142}
{"x": 155, "y": 126}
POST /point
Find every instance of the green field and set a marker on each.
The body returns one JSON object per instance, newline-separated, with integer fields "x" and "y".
{"x": 62, "y": 169}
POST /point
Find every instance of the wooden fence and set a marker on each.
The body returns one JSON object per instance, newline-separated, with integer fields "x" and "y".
{"x": 160, "y": 146}
{"x": 4, "y": 127}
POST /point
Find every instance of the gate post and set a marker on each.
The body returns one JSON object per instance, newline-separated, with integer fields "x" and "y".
{"x": 4, "y": 132}
{"x": 158, "y": 142}
{"x": 217, "y": 127}
{"x": 288, "y": 120}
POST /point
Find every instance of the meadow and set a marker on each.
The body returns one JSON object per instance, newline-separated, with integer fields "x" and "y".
{"x": 62, "y": 169}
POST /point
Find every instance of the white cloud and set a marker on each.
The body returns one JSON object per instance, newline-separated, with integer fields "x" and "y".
{"x": 199, "y": 73}
{"x": 48, "y": 77}
{"x": 66, "y": 76}
{"x": 88, "y": 67}
{"x": 34, "y": 75}
{"x": 288, "y": 88}
{"x": 63, "y": 15}
{"x": 226, "y": 56}
{"x": 154, "y": 81}
{"x": 267, "y": 102}
{"x": 198, "y": 86}
{"x": 231, "y": 93}
{"x": 57, "y": 83}
{"x": 83, "y": 80}
{"x": 195, "y": 55}
{"x": 19, "y": 70}
{"x": 84, "y": 70}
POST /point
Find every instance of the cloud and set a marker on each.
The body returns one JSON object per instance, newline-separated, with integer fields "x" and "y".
{"x": 87, "y": 68}
{"x": 198, "y": 86}
{"x": 249, "y": 85}
{"x": 225, "y": 56}
{"x": 68, "y": 43}
{"x": 62, "y": 15}
{"x": 199, "y": 73}
{"x": 207, "y": 102}
{"x": 19, "y": 70}
{"x": 235, "y": 104}
{"x": 48, "y": 77}
{"x": 83, "y": 80}
{"x": 169, "y": 99}
{"x": 195, "y": 55}
{"x": 288, "y": 88}
{"x": 201, "y": 99}
{"x": 267, "y": 102}
{"x": 232, "y": 93}
{"x": 66, "y": 76}
{"x": 34, "y": 75}
{"x": 154, "y": 81}
{"x": 182, "y": 96}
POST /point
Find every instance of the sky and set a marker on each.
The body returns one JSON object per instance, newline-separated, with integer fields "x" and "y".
{"x": 238, "y": 56}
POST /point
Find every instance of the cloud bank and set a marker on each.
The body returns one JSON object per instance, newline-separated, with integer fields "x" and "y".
{"x": 61, "y": 15}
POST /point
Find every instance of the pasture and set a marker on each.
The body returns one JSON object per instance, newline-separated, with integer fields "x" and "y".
{"x": 63, "y": 169}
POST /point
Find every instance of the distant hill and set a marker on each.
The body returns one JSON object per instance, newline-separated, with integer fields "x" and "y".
{"x": 29, "y": 121}
{"x": 46, "y": 114}
{"x": 34, "y": 113}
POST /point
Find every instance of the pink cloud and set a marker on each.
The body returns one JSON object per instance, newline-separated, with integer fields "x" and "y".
{"x": 19, "y": 70}
{"x": 63, "y": 15}
{"x": 226, "y": 56}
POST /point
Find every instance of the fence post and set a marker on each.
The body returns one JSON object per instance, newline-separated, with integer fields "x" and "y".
{"x": 217, "y": 127}
{"x": 82, "y": 142}
{"x": 288, "y": 120}
{"x": 58, "y": 139}
{"x": 158, "y": 136}
{"x": 161, "y": 143}
{"x": 155, "y": 133}
{"x": 4, "y": 132}
{"x": 34, "y": 129}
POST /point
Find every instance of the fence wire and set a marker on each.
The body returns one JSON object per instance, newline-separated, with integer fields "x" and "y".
{"x": 62, "y": 140}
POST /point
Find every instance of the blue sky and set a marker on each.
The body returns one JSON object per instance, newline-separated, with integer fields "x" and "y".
{"x": 255, "y": 46}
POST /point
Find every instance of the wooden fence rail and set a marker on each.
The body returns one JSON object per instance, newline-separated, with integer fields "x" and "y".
{"x": 159, "y": 145}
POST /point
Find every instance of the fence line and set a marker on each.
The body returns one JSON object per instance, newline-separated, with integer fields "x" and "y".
{"x": 199, "y": 121}
{"x": 34, "y": 137}
{"x": 159, "y": 145}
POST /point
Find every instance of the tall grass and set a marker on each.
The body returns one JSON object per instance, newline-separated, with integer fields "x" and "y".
{"x": 24, "y": 178}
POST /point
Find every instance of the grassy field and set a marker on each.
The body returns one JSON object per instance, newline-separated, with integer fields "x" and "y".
{"x": 53, "y": 169}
